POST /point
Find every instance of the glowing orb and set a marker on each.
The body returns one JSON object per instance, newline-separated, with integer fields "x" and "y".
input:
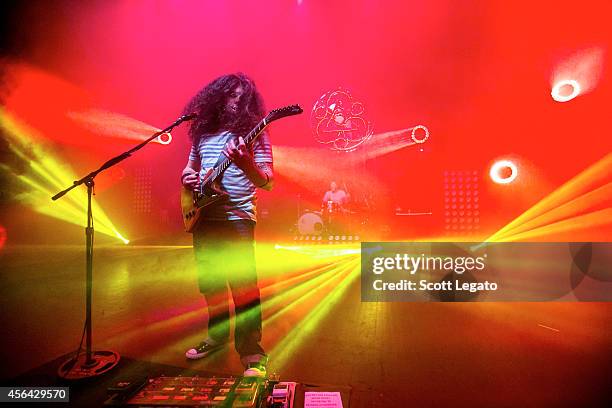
{"x": 503, "y": 166}
{"x": 558, "y": 96}
{"x": 422, "y": 139}
{"x": 164, "y": 138}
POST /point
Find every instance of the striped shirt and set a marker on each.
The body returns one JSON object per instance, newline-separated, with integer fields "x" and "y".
{"x": 242, "y": 196}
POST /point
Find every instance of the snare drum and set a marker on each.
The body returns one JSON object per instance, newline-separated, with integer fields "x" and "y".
{"x": 310, "y": 224}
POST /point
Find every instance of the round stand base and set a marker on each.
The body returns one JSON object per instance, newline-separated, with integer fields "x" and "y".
{"x": 80, "y": 368}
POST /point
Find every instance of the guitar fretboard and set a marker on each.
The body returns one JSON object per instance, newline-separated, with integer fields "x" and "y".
{"x": 248, "y": 139}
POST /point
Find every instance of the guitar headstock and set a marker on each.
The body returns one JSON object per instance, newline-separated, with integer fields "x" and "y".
{"x": 283, "y": 112}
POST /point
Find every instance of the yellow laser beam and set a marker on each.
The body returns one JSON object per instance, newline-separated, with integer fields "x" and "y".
{"x": 592, "y": 201}
{"x": 45, "y": 175}
{"x": 581, "y": 190}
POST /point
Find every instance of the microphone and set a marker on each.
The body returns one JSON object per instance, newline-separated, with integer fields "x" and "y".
{"x": 177, "y": 122}
{"x": 190, "y": 116}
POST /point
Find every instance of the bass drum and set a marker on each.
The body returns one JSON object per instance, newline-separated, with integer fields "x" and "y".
{"x": 310, "y": 224}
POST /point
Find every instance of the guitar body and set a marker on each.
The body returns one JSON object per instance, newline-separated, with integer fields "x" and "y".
{"x": 194, "y": 204}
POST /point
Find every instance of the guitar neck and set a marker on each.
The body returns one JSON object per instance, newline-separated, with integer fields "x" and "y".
{"x": 248, "y": 140}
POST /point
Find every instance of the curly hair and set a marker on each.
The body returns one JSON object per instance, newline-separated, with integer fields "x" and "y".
{"x": 210, "y": 105}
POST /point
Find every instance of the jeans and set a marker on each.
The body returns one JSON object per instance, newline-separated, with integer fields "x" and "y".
{"x": 225, "y": 255}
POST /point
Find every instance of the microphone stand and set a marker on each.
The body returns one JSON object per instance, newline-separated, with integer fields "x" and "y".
{"x": 94, "y": 363}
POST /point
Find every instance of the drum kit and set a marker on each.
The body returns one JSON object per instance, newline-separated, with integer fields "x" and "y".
{"x": 331, "y": 219}
{"x": 310, "y": 223}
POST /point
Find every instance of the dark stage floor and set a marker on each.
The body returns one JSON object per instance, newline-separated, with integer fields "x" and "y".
{"x": 147, "y": 307}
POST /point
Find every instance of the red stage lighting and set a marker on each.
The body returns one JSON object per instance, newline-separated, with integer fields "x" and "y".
{"x": 2, "y": 236}
{"x": 164, "y": 138}
{"x": 503, "y": 172}
{"x": 565, "y": 90}
{"x": 419, "y": 134}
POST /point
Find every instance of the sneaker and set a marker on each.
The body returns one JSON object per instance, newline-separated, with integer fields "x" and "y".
{"x": 202, "y": 350}
{"x": 255, "y": 370}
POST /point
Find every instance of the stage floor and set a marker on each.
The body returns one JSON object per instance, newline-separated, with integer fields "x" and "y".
{"x": 147, "y": 307}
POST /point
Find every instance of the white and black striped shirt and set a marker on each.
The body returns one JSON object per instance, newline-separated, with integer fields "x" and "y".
{"x": 242, "y": 195}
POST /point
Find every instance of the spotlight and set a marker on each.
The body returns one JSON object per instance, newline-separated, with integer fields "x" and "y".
{"x": 118, "y": 235}
{"x": 425, "y": 136}
{"x": 164, "y": 138}
{"x": 503, "y": 172}
{"x": 560, "y": 96}
{"x": 46, "y": 173}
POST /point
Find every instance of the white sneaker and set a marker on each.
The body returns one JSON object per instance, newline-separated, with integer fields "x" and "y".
{"x": 201, "y": 350}
{"x": 255, "y": 370}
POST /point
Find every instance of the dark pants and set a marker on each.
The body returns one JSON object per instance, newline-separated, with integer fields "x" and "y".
{"x": 225, "y": 254}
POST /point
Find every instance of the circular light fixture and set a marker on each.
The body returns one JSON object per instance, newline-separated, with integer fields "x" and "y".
{"x": 503, "y": 165}
{"x": 415, "y": 138}
{"x": 164, "y": 138}
{"x": 556, "y": 90}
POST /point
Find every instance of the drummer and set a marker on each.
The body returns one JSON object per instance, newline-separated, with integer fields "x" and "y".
{"x": 338, "y": 197}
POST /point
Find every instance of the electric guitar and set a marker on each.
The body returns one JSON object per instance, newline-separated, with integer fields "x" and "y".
{"x": 194, "y": 203}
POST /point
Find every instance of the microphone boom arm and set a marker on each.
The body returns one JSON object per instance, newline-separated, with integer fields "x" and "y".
{"x": 124, "y": 155}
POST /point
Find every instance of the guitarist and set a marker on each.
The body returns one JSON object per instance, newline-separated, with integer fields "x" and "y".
{"x": 223, "y": 242}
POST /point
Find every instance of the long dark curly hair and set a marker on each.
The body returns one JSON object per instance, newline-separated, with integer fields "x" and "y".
{"x": 210, "y": 105}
